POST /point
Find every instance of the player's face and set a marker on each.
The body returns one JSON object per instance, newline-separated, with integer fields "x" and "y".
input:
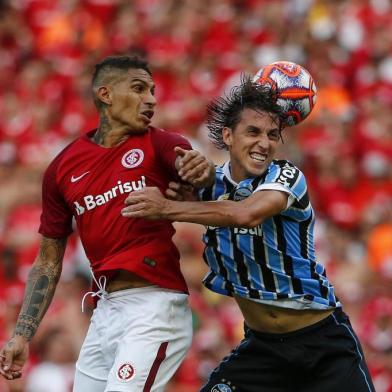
{"x": 252, "y": 144}
{"x": 133, "y": 101}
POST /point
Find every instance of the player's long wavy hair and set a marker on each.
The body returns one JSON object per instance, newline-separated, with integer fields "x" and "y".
{"x": 226, "y": 111}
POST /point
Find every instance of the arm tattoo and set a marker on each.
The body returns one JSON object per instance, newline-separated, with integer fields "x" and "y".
{"x": 41, "y": 285}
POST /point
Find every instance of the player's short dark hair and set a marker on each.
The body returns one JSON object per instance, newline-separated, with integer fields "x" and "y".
{"x": 123, "y": 63}
{"x": 226, "y": 111}
{"x": 110, "y": 67}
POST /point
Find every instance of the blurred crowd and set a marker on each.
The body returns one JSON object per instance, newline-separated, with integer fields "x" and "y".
{"x": 197, "y": 50}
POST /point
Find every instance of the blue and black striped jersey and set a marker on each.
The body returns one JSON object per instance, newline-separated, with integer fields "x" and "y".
{"x": 275, "y": 262}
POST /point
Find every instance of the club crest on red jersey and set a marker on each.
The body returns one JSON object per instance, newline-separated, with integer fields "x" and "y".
{"x": 125, "y": 372}
{"x": 132, "y": 158}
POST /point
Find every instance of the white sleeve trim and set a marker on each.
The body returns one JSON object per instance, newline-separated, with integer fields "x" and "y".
{"x": 277, "y": 187}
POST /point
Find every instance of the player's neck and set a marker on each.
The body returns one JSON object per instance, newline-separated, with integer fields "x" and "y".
{"x": 109, "y": 136}
{"x": 109, "y": 139}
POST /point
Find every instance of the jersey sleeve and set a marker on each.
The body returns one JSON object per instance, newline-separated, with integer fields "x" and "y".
{"x": 56, "y": 217}
{"x": 286, "y": 177}
{"x": 164, "y": 145}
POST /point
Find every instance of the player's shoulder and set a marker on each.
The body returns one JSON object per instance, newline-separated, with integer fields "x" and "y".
{"x": 284, "y": 172}
{"x": 162, "y": 138}
{"x": 281, "y": 165}
{"x": 63, "y": 153}
{"x": 163, "y": 133}
{"x": 67, "y": 152}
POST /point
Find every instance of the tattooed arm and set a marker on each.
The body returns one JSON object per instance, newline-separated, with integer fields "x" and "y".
{"x": 40, "y": 288}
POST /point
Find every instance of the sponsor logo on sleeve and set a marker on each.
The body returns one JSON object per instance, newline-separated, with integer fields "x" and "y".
{"x": 288, "y": 175}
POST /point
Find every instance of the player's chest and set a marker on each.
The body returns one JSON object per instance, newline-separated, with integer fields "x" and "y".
{"x": 226, "y": 190}
{"x": 106, "y": 174}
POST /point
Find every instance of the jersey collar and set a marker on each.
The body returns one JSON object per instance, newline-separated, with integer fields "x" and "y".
{"x": 227, "y": 172}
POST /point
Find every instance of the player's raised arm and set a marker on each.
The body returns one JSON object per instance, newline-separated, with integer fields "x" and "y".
{"x": 40, "y": 288}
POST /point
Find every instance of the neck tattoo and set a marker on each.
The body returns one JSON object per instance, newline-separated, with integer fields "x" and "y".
{"x": 102, "y": 130}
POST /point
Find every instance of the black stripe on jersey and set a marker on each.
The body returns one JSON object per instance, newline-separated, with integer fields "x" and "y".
{"x": 213, "y": 243}
{"x": 209, "y": 278}
{"x": 309, "y": 297}
{"x": 304, "y": 236}
{"x": 260, "y": 258}
{"x": 207, "y": 193}
{"x": 211, "y": 238}
{"x": 208, "y": 282}
{"x": 281, "y": 296}
{"x": 242, "y": 269}
{"x": 287, "y": 260}
{"x": 229, "y": 186}
{"x": 259, "y": 180}
{"x": 256, "y": 182}
{"x": 323, "y": 290}
{"x": 302, "y": 203}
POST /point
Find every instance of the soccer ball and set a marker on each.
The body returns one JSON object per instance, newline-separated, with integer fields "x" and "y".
{"x": 296, "y": 90}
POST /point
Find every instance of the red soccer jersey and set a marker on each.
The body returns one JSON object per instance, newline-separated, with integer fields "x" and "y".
{"x": 90, "y": 183}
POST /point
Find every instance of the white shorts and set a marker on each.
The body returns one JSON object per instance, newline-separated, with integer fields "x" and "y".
{"x": 136, "y": 341}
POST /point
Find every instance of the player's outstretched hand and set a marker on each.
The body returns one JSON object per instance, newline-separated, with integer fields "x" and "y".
{"x": 194, "y": 168}
{"x": 12, "y": 357}
{"x": 147, "y": 203}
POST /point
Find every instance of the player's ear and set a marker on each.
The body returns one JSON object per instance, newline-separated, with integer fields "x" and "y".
{"x": 104, "y": 95}
{"x": 227, "y": 136}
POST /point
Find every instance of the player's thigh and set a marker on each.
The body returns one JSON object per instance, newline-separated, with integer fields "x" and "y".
{"x": 253, "y": 366}
{"x": 350, "y": 375}
{"x": 150, "y": 352}
{"x": 92, "y": 366}
{"x": 341, "y": 361}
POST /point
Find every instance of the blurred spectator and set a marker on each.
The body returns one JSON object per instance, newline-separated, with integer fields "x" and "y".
{"x": 56, "y": 371}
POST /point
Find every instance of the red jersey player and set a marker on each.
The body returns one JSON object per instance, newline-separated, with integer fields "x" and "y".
{"x": 141, "y": 328}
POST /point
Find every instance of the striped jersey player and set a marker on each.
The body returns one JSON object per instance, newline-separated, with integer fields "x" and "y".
{"x": 275, "y": 262}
